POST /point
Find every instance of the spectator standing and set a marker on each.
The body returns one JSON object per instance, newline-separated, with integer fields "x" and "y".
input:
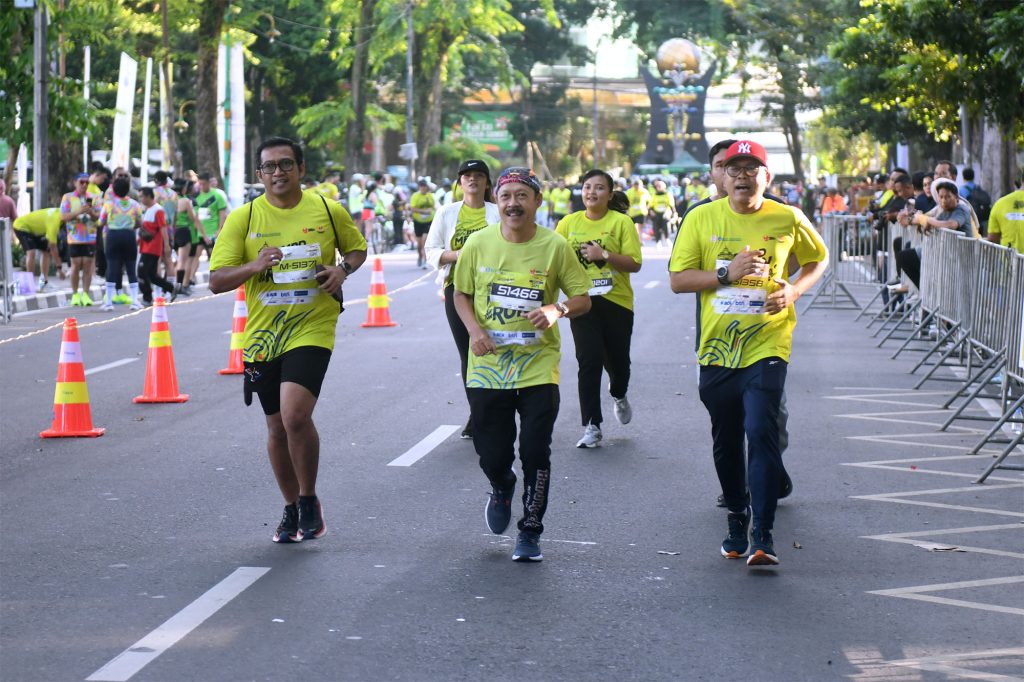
{"x": 978, "y": 198}
{"x": 120, "y": 217}
{"x": 212, "y": 210}
{"x": 8, "y": 209}
{"x": 78, "y": 210}
{"x": 833, "y": 202}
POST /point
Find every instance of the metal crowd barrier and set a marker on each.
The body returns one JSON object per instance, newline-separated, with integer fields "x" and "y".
{"x": 6, "y": 270}
{"x": 853, "y": 260}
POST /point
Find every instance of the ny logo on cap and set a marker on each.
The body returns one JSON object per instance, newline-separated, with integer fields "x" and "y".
{"x": 744, "y": 148}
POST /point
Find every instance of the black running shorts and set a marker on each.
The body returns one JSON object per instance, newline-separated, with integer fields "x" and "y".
{"x": 305, "y": 366}
{"x": 82, "y": 250}
{"x": 182, "y": 237}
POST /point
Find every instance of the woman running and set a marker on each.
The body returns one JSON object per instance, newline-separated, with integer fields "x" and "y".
{"x": 608, "y": 247}
{"x": 449, "y": 230}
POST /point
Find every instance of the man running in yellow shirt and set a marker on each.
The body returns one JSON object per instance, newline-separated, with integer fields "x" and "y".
{"x": 281, "y": 246}
{"x": 507, "y": 282}
{"x": 735, "y": 252}
{"x": 1006, "y": 221}
{"x": 560, "y": 201}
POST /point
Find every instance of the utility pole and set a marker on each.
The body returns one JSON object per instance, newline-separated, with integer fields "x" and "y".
{"x": 409, "y": 35}
{"x": 41, "y": 110}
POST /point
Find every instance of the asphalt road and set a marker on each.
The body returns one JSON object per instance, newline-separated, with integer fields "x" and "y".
{"x": 155, "y": 538}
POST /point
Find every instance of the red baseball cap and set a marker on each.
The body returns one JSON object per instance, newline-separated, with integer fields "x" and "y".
{"x": 746, "y": 149}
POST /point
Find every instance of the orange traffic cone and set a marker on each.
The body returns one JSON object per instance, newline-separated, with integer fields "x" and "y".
{"x": 238, "y": 319}
{"x": 161, "y": 378}
{"x": 377, "y": 314}
{"x": 72, "y": 415}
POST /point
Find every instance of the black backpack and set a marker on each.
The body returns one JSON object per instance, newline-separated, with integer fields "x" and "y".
{"x": 981, "y": 202}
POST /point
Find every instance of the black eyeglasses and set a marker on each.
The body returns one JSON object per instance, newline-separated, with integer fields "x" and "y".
{"x": 270, "y": 167}
{"x": 735, "y": 171}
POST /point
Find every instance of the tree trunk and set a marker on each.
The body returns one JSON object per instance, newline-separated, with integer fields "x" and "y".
{"x": 355, "y": 132}
{"x": 63, "y": 158}
{"x": 174, "y": 157}
{"x": 211, "y": 20}
{"x": 997, "y": 161}
{"x": 430, "y": 110}
{"x": 791, "y": 127}
{"x": 12, "y": 158}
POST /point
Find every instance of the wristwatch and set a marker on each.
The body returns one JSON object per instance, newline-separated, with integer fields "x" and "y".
{"x": 604, "y": 254}
{"x": 723, "y": 276}
{"x": 562, "y": 308}
{"x": 346, "y": 267}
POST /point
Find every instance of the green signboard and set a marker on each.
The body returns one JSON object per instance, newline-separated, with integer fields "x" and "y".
{"x": 489, "y": 128}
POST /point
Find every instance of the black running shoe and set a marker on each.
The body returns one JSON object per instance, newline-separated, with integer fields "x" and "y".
{"x": 737, "y": 544}
{"x": 762, "y": 549}
{"x": 311, "y": 519}
{"x": 721, "y": 501}
{"x": 288, "y": 529}
{"x": 498, "y": 512}
{"x": 467, "y": 433}
{"x": 527, "y": 547}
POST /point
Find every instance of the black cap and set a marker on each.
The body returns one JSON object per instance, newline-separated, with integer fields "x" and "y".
{"x": 474, "y": 165}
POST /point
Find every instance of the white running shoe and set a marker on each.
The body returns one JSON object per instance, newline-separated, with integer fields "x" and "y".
{"x": 138, "y": 306}
{"x": 623, "y": 410}
{"x": 107, "y": 306}
{"x": 591, "y": 437}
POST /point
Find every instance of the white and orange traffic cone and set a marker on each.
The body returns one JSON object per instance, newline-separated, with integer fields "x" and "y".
{"x": 239, "y": 317}
{"x": 161, "y": 377}
{"x": 377, "y": 314}
{"x": 72, "y": 416}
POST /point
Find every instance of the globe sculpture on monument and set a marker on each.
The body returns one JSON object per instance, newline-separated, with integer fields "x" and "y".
{"x": 678, "y": 91}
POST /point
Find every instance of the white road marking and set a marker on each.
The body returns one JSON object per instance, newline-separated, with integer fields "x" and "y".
{"x": 914, "y": 538}
{"x": 940, "y": 664}
{"x": 423, "y": 448}
{"x": 653, "y": 283}
{"x": 109, "y": 365}
{"x": 900, "y": 498}
{"x": 919, "y": 593}
{"x": 143, "y": 652}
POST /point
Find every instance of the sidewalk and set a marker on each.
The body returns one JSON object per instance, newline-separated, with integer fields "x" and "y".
{"x": 58, "y": 292}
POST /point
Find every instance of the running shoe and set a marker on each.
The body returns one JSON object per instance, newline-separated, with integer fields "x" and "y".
{"x": 136, "y": 306}
{"x": 591, "y": 437}
{"x": 76, "y": 299}
{"x": 311, "y": 519}
{"x": 467, "y": 433}
{"x": 42, "y": 285}
{"x": 288, "y": 529}
{"x": 762, "y": 549}
{"x": 498, "y": 512}
{"x": 169, "y": 296}
{"x": 85, "y": 299}
{"x": 122, "y": 298}
{"x": 527, "y": 547}
{"x": 107, "y": 306}
{"x": 737, "y": 544}
{"x": 623, "y": 410}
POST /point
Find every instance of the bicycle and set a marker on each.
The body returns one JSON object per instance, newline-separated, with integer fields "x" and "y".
{"x": 380, "y": 235}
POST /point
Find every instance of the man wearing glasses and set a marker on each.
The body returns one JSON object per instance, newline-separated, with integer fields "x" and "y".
{"x": 80, "y": 209}
{"x": 281, "y": 246}
{"x": 735, "y": 253}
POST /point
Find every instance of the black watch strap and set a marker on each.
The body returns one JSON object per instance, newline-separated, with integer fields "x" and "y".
{"x": 346, "y": 267}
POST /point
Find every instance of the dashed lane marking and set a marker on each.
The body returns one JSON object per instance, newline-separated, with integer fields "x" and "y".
{"x": 109, "y": 365}
{"x": 653, "y": 283}
{"x": 920, "y": 593}
{"x": 941, "y": 664}
{"x": 423, "y": 448}
{"x": 143, "y": 652}
{"x": 901, "y": 498}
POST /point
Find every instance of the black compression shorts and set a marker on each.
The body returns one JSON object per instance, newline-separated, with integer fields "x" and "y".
{"x": 305, "y": 366}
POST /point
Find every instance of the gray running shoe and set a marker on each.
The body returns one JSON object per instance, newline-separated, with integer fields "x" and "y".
{"x": 591, "y": 437}
{"x": 623, "y": 410}
{"x": 737, "y": 544}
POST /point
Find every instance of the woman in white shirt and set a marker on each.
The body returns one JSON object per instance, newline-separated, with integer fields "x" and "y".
{"x": 452, "y": 225}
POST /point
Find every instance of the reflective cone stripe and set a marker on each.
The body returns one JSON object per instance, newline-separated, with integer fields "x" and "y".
{"x": 377, "y": 314}
{"x": 72, "y": 415}
{"x": 238, "y": 320}
{"x": 161, "y": 378}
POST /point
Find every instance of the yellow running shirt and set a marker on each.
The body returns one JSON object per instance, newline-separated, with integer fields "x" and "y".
{"x": 639, "y": 200}
{"x": 734, "y": 332}
{"x": 42, "y": 223}
{"x": 469, "y": 221}
{"x": 423, "y": 207}
{"x": 506, "y": 281}
{"x": 560, "y": 200}
{"x": 286, "y": 309}
{"x": 1006, "y": 220}
{"x": 614, "y": 232}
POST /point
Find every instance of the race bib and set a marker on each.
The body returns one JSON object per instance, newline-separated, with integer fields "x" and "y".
{"x": 600, "y": 286}
{"x": 204, "y": 213}
{"x": 513, "y": 297}
{"x": 747, "y": 299}
{"x": 298, "y": 263}
{"x": 503, "y": 338}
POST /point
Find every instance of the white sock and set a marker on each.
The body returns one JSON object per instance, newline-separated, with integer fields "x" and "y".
{"x": 133, "y": 287}
{"x": 110, "y": 293}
